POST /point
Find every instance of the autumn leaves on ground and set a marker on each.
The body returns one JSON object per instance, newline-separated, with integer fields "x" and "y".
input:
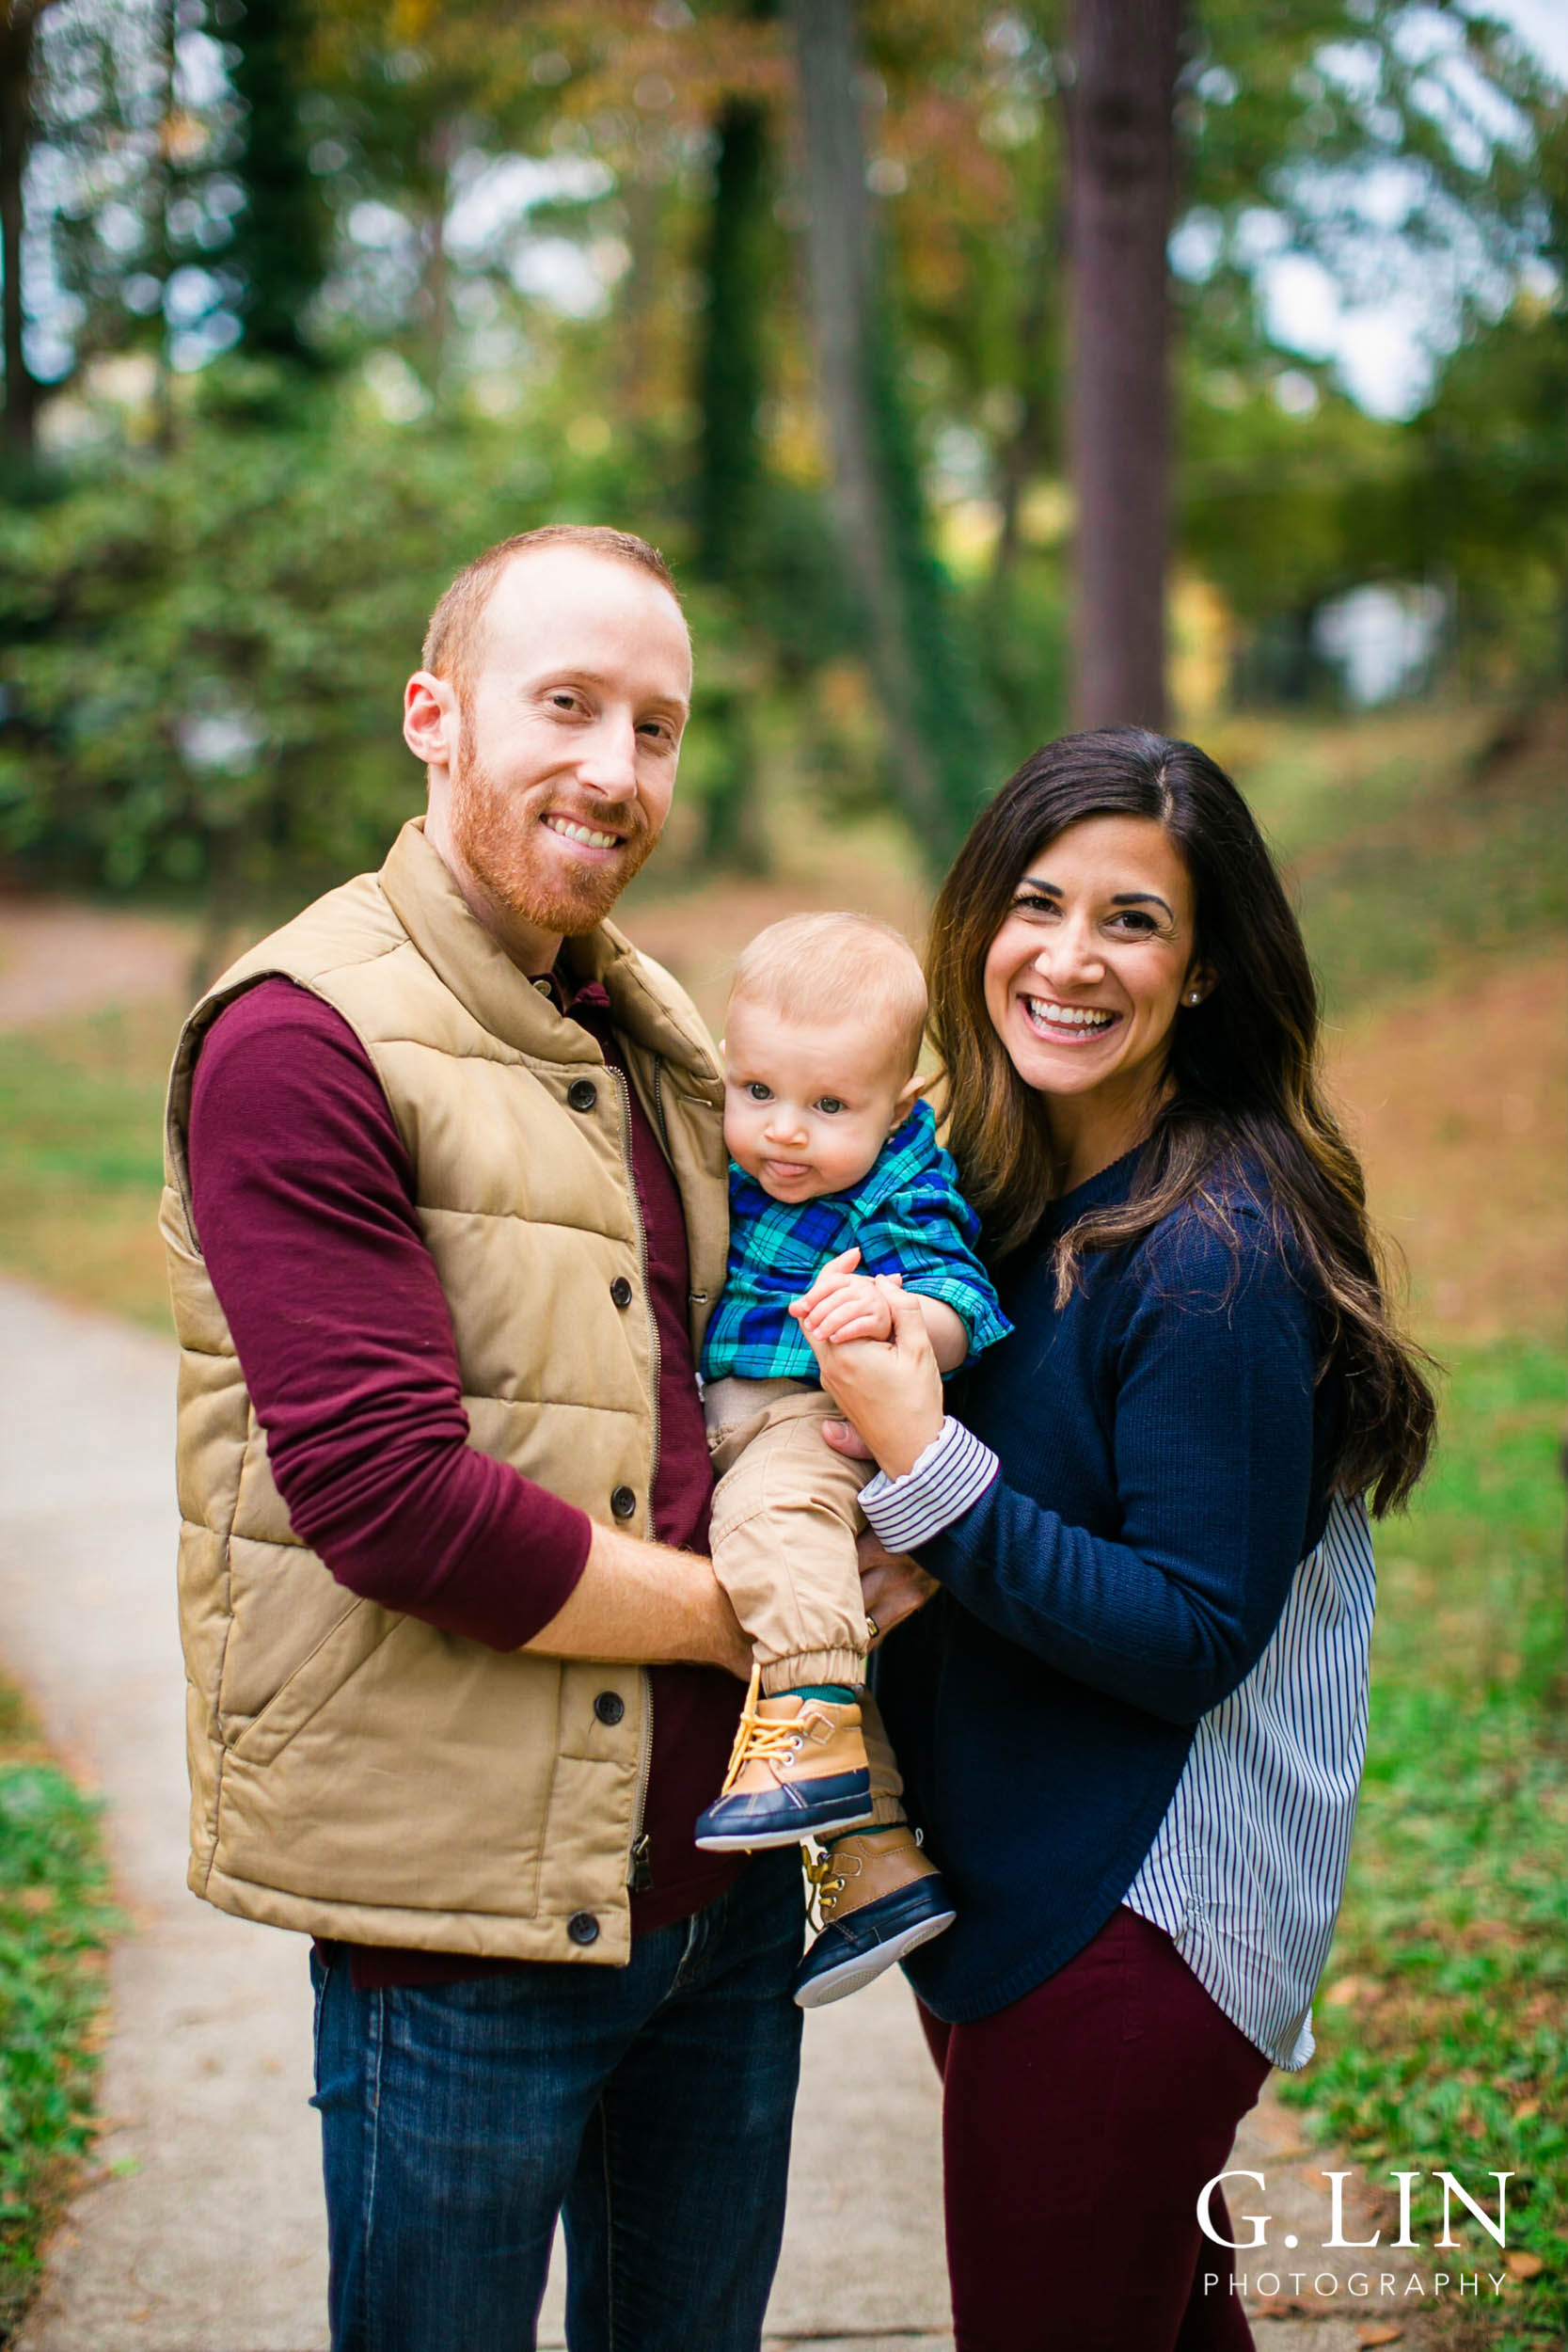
{"x": 1427, "y": 853}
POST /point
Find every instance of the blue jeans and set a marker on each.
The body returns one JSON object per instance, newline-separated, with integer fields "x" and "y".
{"x": 649, "y": 2107}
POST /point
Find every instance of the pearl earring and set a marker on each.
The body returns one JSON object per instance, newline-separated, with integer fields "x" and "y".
{"x": 1194, "y": 998}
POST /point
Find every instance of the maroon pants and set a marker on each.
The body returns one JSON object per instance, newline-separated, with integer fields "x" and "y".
{"x": 1079, "y": 2126}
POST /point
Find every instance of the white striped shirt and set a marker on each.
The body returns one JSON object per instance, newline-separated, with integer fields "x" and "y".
{"x": 1248, "y": 1864}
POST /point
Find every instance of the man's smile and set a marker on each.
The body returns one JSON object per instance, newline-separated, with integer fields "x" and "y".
{"x": 587, "y": 837}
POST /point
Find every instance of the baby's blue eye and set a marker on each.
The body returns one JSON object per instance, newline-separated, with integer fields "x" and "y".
{"x": 758, "y": 1092}
{"x": 829, "y": 1103}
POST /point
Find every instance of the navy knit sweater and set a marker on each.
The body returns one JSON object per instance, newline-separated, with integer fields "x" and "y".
{"x": 1163, "y": 1444}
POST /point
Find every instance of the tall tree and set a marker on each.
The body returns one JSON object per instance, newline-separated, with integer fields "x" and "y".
{"x": 731, "y": 367}
{"x": 935, "y": 730}
{"x": 18, "y": 24}
{"x": 1122, "y": 184}
{"x": 280, "y": 242}
{"x": 729, "y": 455}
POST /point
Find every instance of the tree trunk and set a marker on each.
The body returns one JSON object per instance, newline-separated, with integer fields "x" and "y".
{"x": 280, "y": 237}
{"x": 729, "y": 462}
{"x": 841, "y": 274}
{"x": 730, "y": 385}
{"x": 1122, "y": 164}
{"x": 17, "y": 24}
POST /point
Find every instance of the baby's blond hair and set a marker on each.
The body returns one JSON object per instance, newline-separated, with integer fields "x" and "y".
{"x": 837, "y": 967}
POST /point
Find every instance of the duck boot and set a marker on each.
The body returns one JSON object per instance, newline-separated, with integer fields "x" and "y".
{"x": 797, "y": 1769}
{"x": 879, "y": 1897}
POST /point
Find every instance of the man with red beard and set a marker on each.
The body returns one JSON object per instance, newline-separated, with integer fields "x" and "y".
{"x": 445, "y": 1214}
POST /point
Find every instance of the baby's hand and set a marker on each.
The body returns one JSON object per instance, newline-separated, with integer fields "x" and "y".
{"x": 842, "y": 1305}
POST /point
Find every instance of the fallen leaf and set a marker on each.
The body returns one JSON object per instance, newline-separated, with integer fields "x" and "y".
{"x": 1379, "y": 2332}
{"x": 1530, "y": 2107}
{"x": 1522, "y": 2266}
{"x": 1345, "y": 1992}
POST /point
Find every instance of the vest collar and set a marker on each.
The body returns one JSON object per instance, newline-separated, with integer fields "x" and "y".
{"x": 424, "y": 896}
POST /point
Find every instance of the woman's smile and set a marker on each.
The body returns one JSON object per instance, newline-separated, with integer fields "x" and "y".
{"x": 1074, "y": 1025}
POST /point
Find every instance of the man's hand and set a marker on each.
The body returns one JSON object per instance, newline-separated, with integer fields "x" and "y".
{"x": 892, "y": 1584}
{"x": 648, "y": 1606}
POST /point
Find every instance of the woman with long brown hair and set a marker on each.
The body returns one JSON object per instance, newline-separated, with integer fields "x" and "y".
{"x": 1128, "y": 1679}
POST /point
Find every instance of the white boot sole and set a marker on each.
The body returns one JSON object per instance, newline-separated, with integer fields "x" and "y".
{"x": 766, "y": 1840}
{"x": 835, "y": 1984}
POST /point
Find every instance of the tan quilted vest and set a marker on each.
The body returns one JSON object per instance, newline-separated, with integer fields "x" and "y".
{"x": 353, "y": 1772}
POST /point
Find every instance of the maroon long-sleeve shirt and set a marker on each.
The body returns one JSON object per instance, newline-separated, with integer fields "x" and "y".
{"x": 304, "y": 1201}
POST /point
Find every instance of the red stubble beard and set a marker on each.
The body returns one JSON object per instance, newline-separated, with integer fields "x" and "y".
{"x": 500, "y": 837}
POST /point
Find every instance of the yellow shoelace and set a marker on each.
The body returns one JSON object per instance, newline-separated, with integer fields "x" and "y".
{"x": 826, "y": 1885}
{"x": 758, "y": 1740}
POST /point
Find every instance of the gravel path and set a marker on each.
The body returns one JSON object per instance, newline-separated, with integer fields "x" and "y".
{"x": 201, "y": 2229}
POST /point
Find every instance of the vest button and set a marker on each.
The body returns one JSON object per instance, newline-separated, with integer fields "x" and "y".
{"x": 583, "y": 1927}
{"x": 619, "y": 1290}
{"x": 582, "y": 1095}
{"x": 609, "y": 1707}
{"x": 623, "y": 1503}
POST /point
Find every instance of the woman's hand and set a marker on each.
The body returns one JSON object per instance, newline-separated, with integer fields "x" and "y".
{"x": 893, "y": 1585}
{"x": 891, "y": 1390}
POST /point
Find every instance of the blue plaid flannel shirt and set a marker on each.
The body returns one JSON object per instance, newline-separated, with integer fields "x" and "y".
{"x": 906, "y": 1217}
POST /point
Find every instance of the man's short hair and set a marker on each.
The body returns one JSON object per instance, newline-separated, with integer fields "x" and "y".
{"x": 839, "y": 967}
{"x": 451, "y": 641}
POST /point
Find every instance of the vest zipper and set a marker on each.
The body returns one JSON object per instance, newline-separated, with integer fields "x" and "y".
{"x": 638, "y": 1863}
{"x": 659, "y": 1108}
{"x": 653, "y": 1357}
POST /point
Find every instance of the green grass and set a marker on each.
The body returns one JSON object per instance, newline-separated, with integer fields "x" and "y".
{"x": 55, "y": 1922}
{"x": 1402, "y": 860}
{"x": 81, "y": 1155}
{"x": 1451, "y": 2049}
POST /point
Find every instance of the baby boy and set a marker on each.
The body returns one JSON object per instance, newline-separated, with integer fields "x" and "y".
{"x": 832, "y": 1152}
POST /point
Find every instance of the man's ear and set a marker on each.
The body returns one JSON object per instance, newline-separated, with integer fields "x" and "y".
{"x": 430, "y": 719}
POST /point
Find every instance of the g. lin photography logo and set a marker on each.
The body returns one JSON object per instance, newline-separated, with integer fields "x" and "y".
{"x": 1362, "y": 2280}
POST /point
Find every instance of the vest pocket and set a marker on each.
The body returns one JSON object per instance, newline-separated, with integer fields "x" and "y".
{"x": 340, "y": 1653}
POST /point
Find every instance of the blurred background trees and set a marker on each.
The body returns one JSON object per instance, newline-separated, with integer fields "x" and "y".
{"x": 906, "y": 329}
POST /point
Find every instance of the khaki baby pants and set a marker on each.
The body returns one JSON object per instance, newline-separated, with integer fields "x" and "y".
{"x": 786, "y": 1516}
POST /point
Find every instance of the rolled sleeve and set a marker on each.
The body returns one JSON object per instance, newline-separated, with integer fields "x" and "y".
{"x": 947, "y": 1480}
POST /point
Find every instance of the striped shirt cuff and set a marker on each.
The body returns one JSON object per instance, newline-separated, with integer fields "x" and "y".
{"x": 950, "y": 1476}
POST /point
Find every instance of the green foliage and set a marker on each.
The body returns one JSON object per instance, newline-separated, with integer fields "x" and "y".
{"x": 950, "y": 713}
{"x": 208, "y": 645}
{"x": 55, "y": 1922}
{"x": 1449, "y": 2046}
{"x": 1282, "y": 511}
{"x": 1022, "y": 634}
{"x": 1487, "y": 497}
